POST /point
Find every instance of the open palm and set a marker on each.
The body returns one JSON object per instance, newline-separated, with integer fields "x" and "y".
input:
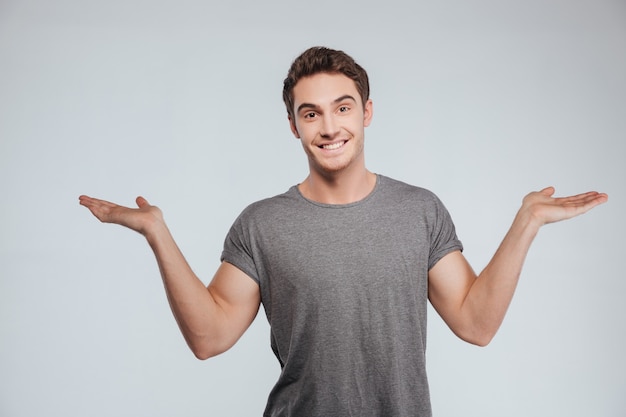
{"x": 140, "y": 219}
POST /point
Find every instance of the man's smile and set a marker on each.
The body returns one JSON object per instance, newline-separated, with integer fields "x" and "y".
{"x": 333, "y": 146}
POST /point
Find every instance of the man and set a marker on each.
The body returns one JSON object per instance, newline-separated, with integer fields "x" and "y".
{"x": 343, "y": 263}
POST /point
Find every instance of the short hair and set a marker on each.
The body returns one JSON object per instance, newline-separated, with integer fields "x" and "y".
{"x": 319, "y": 59}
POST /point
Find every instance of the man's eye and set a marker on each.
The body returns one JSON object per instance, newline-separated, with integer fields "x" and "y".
{"x": 309, "y": 115}
{"x": 343, "y": 109}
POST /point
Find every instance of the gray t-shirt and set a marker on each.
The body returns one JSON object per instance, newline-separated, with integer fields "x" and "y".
{"x": 345, "y": 291}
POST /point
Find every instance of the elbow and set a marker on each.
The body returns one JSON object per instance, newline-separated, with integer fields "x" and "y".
{"x": 481, "y": 341}
{"x": 204, "y": 351}
{"x": 478, "y": 332}
{"x": 480, "y": 338}
{"x": 202, "y": 354}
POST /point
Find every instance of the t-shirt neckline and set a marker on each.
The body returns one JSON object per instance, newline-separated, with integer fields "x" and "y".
{"x": 340, "y": 206}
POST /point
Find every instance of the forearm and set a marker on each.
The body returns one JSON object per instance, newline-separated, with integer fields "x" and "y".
{"x": 491, "y": 293}
{"x": 195, "y": 310}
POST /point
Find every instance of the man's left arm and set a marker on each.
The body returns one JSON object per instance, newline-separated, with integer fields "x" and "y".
{"x": 474, "y": 306}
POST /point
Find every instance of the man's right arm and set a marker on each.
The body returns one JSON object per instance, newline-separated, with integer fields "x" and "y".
{"x": 211, "y": 318}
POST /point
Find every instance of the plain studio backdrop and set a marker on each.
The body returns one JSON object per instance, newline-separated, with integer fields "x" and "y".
{"x": 479, "y": 101}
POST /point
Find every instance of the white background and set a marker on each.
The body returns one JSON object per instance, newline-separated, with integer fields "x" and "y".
{"x": 479, "y": 101}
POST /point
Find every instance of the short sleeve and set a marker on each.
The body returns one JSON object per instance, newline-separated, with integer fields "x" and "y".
{"x": 237, "y": 249}
{"x": 442, "y": 235}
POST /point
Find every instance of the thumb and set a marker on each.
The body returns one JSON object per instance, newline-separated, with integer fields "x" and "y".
{"x": 141, "y": 202}
{"x": 548, "y": 191}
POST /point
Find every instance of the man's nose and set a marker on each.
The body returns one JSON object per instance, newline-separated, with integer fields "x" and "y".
{"x": 330, "y": 127}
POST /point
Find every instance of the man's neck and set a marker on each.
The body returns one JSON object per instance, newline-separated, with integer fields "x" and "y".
{"x": 341, "y": 188}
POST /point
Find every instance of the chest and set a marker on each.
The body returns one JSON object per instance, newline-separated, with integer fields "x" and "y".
{"x": 333, "y": 259}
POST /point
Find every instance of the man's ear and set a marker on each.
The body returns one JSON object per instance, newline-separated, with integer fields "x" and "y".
{"x": 293, "y": 127}
{"x": 368, "y": 112}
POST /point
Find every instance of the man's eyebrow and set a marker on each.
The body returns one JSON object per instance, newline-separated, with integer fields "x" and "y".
{"x": 307, "y": 106}
{"x": 344, "y": 97}
{"x": 315, "y": 106}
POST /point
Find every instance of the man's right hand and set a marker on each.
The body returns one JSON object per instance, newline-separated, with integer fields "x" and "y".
{"x": 142, "y": 219}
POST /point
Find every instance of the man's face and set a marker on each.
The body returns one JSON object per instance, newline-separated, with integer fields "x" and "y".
{"x": 329, "y": 119}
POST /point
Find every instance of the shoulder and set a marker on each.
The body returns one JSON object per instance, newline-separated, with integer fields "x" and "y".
{"x": 392, "y": 188}
{"x": 271, "y": 206}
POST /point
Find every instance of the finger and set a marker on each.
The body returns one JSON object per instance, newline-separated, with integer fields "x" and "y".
{"x": 594, "y": 198}
{"x": 141, "y": 202}
{"x": 101, "y": 209}
{"x": 583, "y": 198}
{"x": 83, "y": 199}
{"x": 86, "y": 200}
{"x": 583, "y": 203}
{"x": 548, "y": 191}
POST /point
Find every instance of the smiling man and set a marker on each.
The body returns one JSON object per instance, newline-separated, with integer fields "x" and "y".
{"x": 343, "y": 263}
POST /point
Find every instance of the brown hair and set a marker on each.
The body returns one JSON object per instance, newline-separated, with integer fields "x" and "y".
{"x": 319, "y": 59}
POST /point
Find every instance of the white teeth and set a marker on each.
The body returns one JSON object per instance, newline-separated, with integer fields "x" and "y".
{"x": 332, "y": 146}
